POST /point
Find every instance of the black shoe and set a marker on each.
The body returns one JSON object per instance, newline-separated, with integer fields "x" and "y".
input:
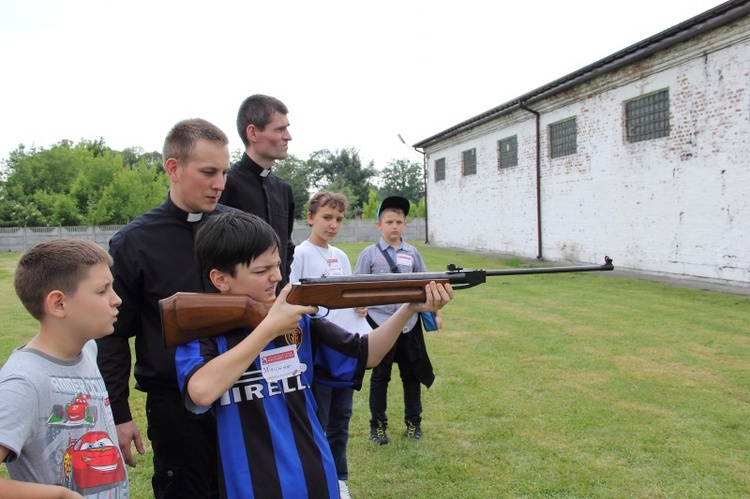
{"x": 378, "y": 434}
{"x": 413, "y": 430}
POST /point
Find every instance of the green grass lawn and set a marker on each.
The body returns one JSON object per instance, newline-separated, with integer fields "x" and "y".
{"x": 561, "y": 385}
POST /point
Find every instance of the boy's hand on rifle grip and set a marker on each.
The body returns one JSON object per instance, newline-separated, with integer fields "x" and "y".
{"x": 437, "y": 297}
{"x": 284, "y": 316}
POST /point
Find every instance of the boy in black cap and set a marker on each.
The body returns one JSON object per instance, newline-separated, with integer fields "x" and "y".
{"x": 392, "y": 254}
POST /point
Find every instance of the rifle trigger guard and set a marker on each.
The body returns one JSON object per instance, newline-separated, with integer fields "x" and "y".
{"x": 318, "y": 315}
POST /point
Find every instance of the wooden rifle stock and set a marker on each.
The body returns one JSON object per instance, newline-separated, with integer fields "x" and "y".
{"x": 190, "y": 316}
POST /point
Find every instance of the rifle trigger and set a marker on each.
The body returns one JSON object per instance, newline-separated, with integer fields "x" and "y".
{"x": 320, "y": 314}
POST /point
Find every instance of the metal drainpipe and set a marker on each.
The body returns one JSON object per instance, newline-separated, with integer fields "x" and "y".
{"x": 538, "y": 179}
{"x": 426, "y": 226}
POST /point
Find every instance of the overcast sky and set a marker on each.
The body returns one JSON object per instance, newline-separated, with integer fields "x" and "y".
{"x": 353, "y": 74}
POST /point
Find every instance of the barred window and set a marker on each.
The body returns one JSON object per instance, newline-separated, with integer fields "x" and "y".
{"x": 647, "y": 117}
{"x": 507, "y": 152}
{"x": 439, "y": 169}
{"x": 563, "y": 138}
{"x": 470, "y": 162}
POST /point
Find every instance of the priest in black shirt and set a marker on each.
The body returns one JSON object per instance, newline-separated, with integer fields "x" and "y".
{"x": 153, "y": 259}
{"x": 251, "y": 185}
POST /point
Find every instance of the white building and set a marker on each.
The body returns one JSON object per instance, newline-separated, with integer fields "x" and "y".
{"x": 643, "y": 156}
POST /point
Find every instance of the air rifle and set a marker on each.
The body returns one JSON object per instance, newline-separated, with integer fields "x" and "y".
{"x": 189, "y": 316}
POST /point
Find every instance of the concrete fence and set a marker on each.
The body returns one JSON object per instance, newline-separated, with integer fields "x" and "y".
{"x": 19, "y": 239}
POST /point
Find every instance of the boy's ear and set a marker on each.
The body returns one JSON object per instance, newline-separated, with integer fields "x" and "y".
{"x": 54, "y": 304}
{"x": 219, "y": 279}
{"x": 309, "y": 219}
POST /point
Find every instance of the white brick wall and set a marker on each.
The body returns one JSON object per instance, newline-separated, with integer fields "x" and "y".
{"x": 675, "y": 205}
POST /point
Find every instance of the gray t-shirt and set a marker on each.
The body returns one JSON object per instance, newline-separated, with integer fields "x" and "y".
{"x": 56, "y": 420}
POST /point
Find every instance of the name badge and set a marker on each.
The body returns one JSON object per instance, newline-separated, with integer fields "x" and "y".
{"x": 403, "y": 259}
{"x": 280, "y": 363}
{"x": 335, "y": 267}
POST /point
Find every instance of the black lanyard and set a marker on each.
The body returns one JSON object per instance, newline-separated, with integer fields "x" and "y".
{"x": 393, "y": 266}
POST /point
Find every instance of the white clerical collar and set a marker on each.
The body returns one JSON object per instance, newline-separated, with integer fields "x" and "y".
{"x": 265, "y": 172}
{"x": 194, "y": 217}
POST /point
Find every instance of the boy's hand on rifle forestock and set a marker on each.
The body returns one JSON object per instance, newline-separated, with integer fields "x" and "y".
{"x": 437, "y": 296}
{"x": 283, "y": 316}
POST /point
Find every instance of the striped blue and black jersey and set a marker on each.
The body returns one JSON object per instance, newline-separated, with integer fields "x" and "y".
{"x": 271, "y": 443}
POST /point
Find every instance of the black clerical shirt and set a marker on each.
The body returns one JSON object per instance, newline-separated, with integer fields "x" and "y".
{"x": 269, "y": 197}
{"x": 153, "y": 259}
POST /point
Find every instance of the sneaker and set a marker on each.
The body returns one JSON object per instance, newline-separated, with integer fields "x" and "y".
{"x": 413, "y": 430}
{"x": 378, "y": 434}
{"x": 343, "y": 490}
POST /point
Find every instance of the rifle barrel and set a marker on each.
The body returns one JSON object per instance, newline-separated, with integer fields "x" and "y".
{"x": 555, "y": 270}
{"x": 455, "y": 275}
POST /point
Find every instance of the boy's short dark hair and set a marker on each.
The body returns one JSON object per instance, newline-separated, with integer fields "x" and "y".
{"x": 257, "y": 110}
{"x": 229, "y": 239}
{"x": 181, "y": 139}
{"x": 60, "y": 264}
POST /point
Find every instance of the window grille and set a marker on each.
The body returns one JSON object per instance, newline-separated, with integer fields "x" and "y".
{"x": 647, "y": 117}
{"x": 470, "y": 162}
{"x": 507, "y": 152}
{"x": 439, "y": 169}
{"x": 563, "y": 138}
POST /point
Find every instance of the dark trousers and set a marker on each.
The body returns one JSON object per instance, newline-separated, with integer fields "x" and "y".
{"x": 381, "y": 376}
{"x": 334, "y": 413}
{"x": 185, "y": 453}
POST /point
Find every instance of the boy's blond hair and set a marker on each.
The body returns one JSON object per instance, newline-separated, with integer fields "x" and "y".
{"x": 60, "y": 264}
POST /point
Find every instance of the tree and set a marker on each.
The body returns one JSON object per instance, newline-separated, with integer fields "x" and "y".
{"x": 370, "y": 208}
{"x": 10, "y": 164}
{"x": 236, "y": 155}
{"x": 418, "y": 210}
{"x": 72, "y": 184}
{"x": 342, "y": 171}
{"x": 294, "y": 171}
{"x": 131, "y": 192}
{"x": 49, "y": 170}
{"x": 96, "y": 174}
{"x": 96, "y": 147}
{"x": 36, "y": 181}
{"x": 17, "y": 214}
{"x": 403, "y": 178}
{"x": 64, "y": 211}
{"x": 133, "y": 156}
